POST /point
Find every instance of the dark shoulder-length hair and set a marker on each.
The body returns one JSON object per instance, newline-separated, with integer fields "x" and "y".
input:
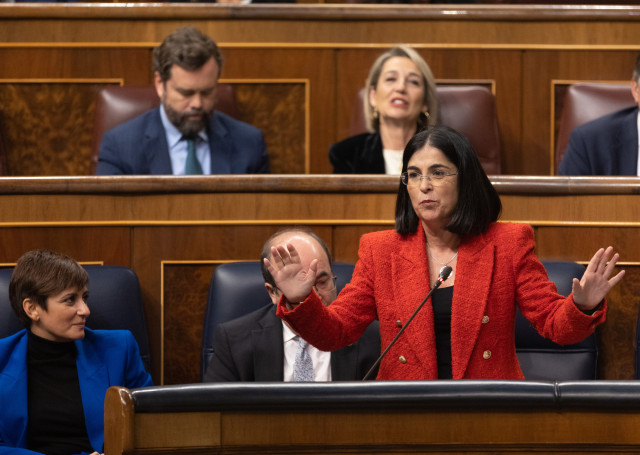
{"x": 478, "y": 202}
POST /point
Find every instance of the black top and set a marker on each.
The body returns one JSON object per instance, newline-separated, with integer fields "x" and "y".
{"x": 441, "y": 301}
{"x": 361, "y": 154}
{"x": 56, "y": 416}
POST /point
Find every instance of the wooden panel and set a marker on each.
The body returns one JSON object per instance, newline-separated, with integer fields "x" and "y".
{"x": 47, "y": 127}
{"x": 347, "y": 238}
{"x": 131, "y": 65}
{"x": 485, "y": 430}
{"x": 107, "y": 245}
{"x": 200, "y": 429}
{"x": 317, "y": 66}
{"x": 540, "y": 68}
{"x": 185, "y": 293}
{"x": 279, "y": 111}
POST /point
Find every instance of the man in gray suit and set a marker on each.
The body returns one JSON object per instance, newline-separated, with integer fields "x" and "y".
{"x": 261, "y": 347}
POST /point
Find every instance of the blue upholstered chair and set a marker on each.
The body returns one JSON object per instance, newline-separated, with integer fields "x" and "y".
{"x": 542, "y": 359}
{"x": 241, "y": 287}
{"x": 114, "y": 300}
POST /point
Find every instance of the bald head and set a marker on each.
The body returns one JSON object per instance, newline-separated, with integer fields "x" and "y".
{"x": 309, "y": 247}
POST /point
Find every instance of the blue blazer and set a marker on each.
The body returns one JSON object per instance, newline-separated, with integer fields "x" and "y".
{"x": 605, "y": 146}
{"x": 105, "y": 358}
{"x": 139, "y": 147}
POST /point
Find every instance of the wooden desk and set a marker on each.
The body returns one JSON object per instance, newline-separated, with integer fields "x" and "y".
{"x": 453, "y": 417}
{"x": 174, "y": 231}
{"x": 297, "y": 68}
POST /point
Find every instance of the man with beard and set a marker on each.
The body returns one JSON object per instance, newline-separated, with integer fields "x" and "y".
{"x": 184, "y": 135}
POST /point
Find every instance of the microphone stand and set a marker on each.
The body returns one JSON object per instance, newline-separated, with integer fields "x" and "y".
{"x": 445, "y": 272}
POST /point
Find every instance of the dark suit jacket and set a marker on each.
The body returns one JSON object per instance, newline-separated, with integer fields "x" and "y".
{"x": 361, "y": 154}
{"x": 605, "y": 146}
{"x": 105, "y": 358}
{"x": 139, "y": 146}
{"x": 250, "y": 348}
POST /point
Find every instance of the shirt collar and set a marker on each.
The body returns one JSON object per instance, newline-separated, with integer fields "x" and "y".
{"x": 287, "y": 333}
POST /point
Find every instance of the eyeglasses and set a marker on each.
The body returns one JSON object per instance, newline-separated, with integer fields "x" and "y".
{"x": 325, "y": 283}
{"x": 413, "y": 178}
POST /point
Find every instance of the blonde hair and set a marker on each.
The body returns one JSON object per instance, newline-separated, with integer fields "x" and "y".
{"x": 430, "y": 98}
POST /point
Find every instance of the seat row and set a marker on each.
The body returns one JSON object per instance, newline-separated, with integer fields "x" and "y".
{"x": 116, "y": 303}
{"x": 467, "y": 108}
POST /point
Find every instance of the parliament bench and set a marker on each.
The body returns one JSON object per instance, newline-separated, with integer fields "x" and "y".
{"x": 479, "y": 416}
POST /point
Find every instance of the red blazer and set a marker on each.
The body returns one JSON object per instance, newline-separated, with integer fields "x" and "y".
{"x": 495, "y": 272}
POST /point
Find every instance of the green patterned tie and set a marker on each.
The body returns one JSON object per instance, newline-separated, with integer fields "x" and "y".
{"x": 193, "y": 165}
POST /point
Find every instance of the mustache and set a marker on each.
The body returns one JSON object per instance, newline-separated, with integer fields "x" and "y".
{"x": 193, "y": 112}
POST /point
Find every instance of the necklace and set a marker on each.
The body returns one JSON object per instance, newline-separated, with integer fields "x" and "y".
{"x": 443, "y": 264}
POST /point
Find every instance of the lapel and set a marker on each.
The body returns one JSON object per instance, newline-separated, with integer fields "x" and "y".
{"x": 13, "y": 383}
{"x": 625, "y": 147}
{"x": 470, "y": 298}
{"x": 94, "y": 381}
{"x": 155, "y": 147}
{"x": 267, "y": 348}
{"x": 220, "y": 146}
{"x": 410, "y": 281}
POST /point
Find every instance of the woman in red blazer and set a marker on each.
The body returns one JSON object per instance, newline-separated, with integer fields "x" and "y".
{"x": 446, "y": 214}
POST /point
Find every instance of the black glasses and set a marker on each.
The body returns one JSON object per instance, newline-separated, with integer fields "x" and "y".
{"x": 325, "y": 283}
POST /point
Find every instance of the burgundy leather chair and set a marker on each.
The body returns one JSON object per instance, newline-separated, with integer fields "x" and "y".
{"x": 586, "y": 101}
{"x": 469, "y": 109}
{"x": 117, "y": 104}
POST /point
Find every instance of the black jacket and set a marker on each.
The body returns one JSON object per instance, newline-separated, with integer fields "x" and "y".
{"x": 250, "y": 348}
{"x": 361, "y": 154}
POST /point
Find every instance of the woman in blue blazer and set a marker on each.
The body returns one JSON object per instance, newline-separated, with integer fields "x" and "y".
{"x": 54, "y": 374}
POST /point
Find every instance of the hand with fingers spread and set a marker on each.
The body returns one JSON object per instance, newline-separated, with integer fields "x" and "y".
{"x": 589, "y": 291}
{"x": 291, "y": 278}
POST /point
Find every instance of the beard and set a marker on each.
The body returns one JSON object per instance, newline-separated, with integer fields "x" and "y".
{"x": 186, "y": 125}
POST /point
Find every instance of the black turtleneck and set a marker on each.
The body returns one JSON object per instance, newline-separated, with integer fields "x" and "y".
{"x": 56, "y": 416}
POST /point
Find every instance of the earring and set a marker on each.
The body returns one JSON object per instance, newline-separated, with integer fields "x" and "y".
{"x": 375, "y": 113}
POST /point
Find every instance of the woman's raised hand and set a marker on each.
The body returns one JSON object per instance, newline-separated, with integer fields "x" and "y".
{"x": 589, "y": 291}
{"x": 291, "y": 278}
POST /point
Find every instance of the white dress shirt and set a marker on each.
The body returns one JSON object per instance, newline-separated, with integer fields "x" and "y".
{"x": 392, "y": 161}
{"x": 321, "y": 359}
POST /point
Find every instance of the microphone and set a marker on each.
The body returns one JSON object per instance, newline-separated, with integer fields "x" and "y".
{"x": 445, "y": 272}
